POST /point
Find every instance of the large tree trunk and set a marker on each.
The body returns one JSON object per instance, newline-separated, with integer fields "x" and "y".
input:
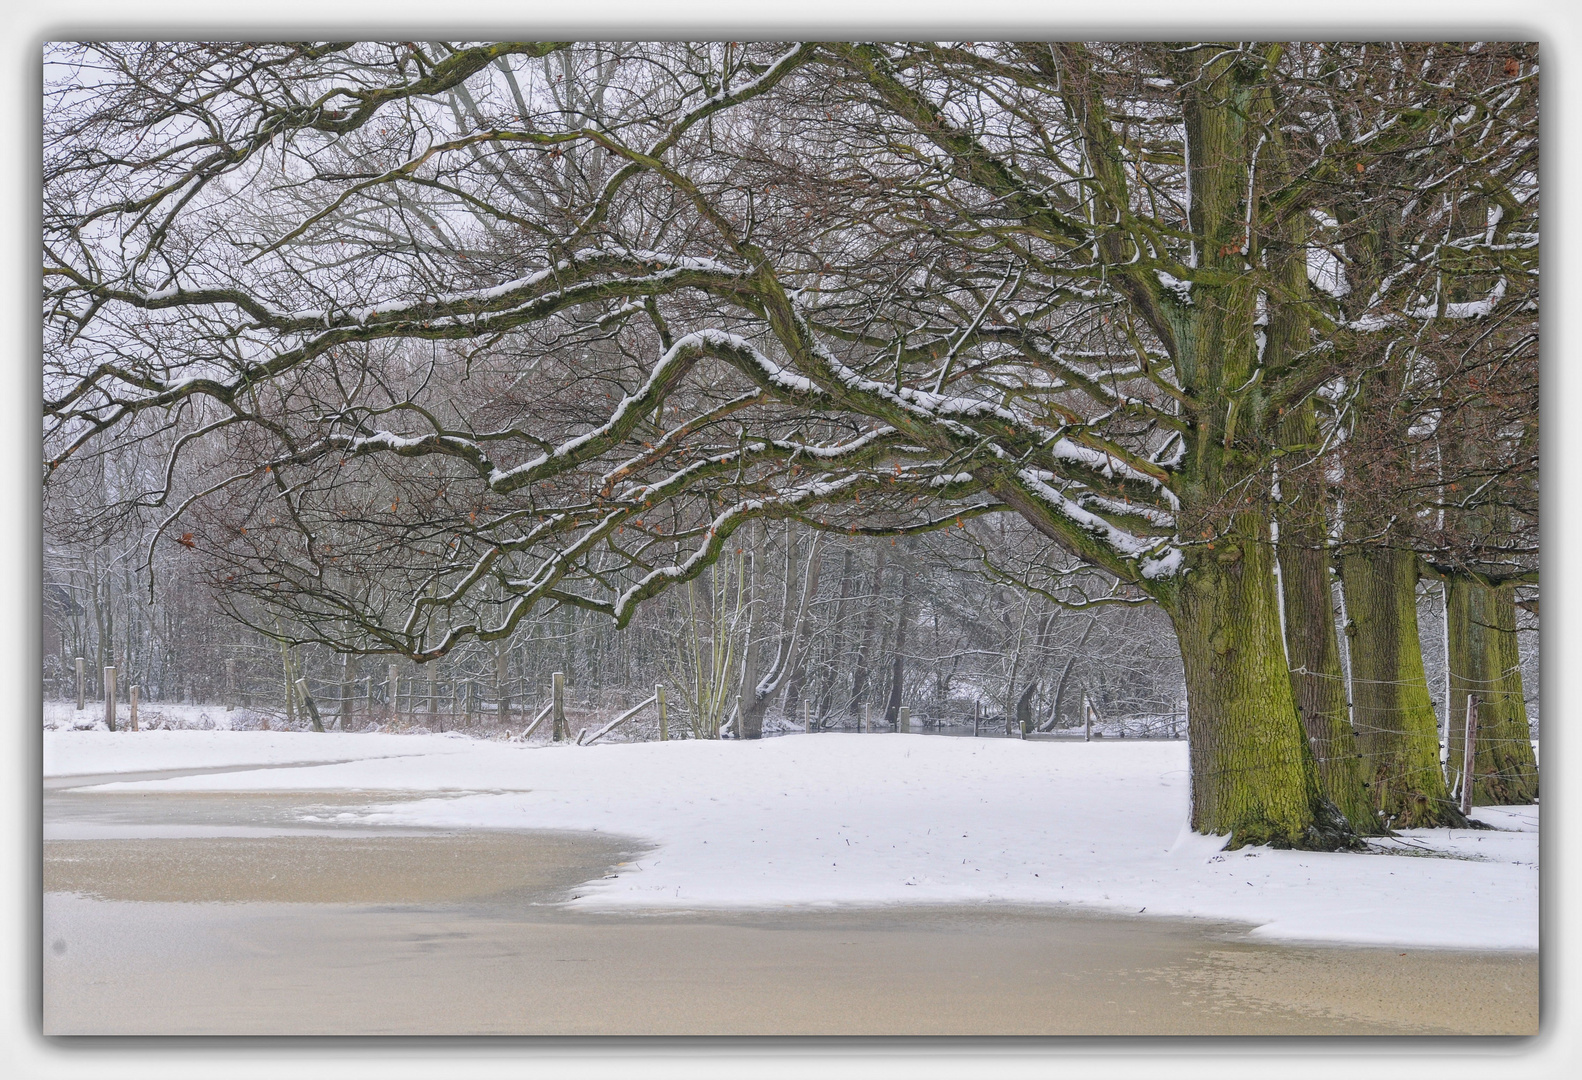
{"x": 1313, "y": 648}
{"x": 1394, "y": 716}
{"x": 1318, "y": 680}
{"x": 1253, "y": 775}
{"x": 1485, "y": 661}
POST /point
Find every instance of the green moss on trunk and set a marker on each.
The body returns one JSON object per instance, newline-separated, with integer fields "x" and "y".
{"x": 1484, "y": 660}
{"x": 1318, "y": 682}
{"x": 1253, "y": 775}
{"x": 1397, "y": 730}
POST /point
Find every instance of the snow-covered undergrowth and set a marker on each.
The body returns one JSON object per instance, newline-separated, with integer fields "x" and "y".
{"x": 64, "y": 716}
{"x": 878, "y": 819}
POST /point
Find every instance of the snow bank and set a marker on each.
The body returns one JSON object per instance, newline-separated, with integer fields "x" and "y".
{"x": 879, "y": 819}
{"x": 96, "y": 752}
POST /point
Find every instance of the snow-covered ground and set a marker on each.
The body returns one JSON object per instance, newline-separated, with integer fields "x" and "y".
{"x": 879, "y": 819}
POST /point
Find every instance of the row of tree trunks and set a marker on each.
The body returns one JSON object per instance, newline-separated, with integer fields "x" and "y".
{"x": 1485, "y": 662}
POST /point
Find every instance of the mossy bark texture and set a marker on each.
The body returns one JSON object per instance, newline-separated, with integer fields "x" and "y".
{"x": 1484, "y": 661}
{"x": 1318, "y": 682}
{"x": 1253, "y": 775}
{"x": 1397, "y": 730}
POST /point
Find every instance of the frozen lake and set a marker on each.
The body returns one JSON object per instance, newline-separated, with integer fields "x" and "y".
{"x": 284, "y": 912}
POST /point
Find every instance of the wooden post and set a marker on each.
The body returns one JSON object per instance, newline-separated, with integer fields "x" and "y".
{"x": 807, "y": 715}
{"x": 977, "y": 710}
{"x": 131, "y": 712}
{"x": 1469, "y": 752}
{"x": 557, "y": 700}
{"x": 867, "y": 717}
{"x": 1087, "y": 718}
{"x": 471, "y": 700}
{"x": 109, "y": 698}
{"x": 230, "y": 685}
{"x": 664, "y": 721}
{"x": 307, "y": 701}
{"x": 82, "y": 686}
{"x": 903, "y": 719}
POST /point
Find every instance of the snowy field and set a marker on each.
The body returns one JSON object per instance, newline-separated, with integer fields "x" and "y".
{"x": 809, "y": 820}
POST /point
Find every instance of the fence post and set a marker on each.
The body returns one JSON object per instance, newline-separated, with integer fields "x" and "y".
{"x": 109, "y": 698}
{"x": 1469, "y": 753}
{"x": 807, "y": 715}
{"x": 664, "y": 728}
{"x": 392, "y": 689}
{"x": 1087, "y": 718}
{"x": 307, "y": 701}
{"x": 557, "y": 697}
{"x": 82, "y": 687}
{"x": 903, "y": 719}
{"x": 976, "y": 717}
{"x": 867, "y": 717}
{"x": 230, "y": 685}
{"x": 131, "y": 712}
